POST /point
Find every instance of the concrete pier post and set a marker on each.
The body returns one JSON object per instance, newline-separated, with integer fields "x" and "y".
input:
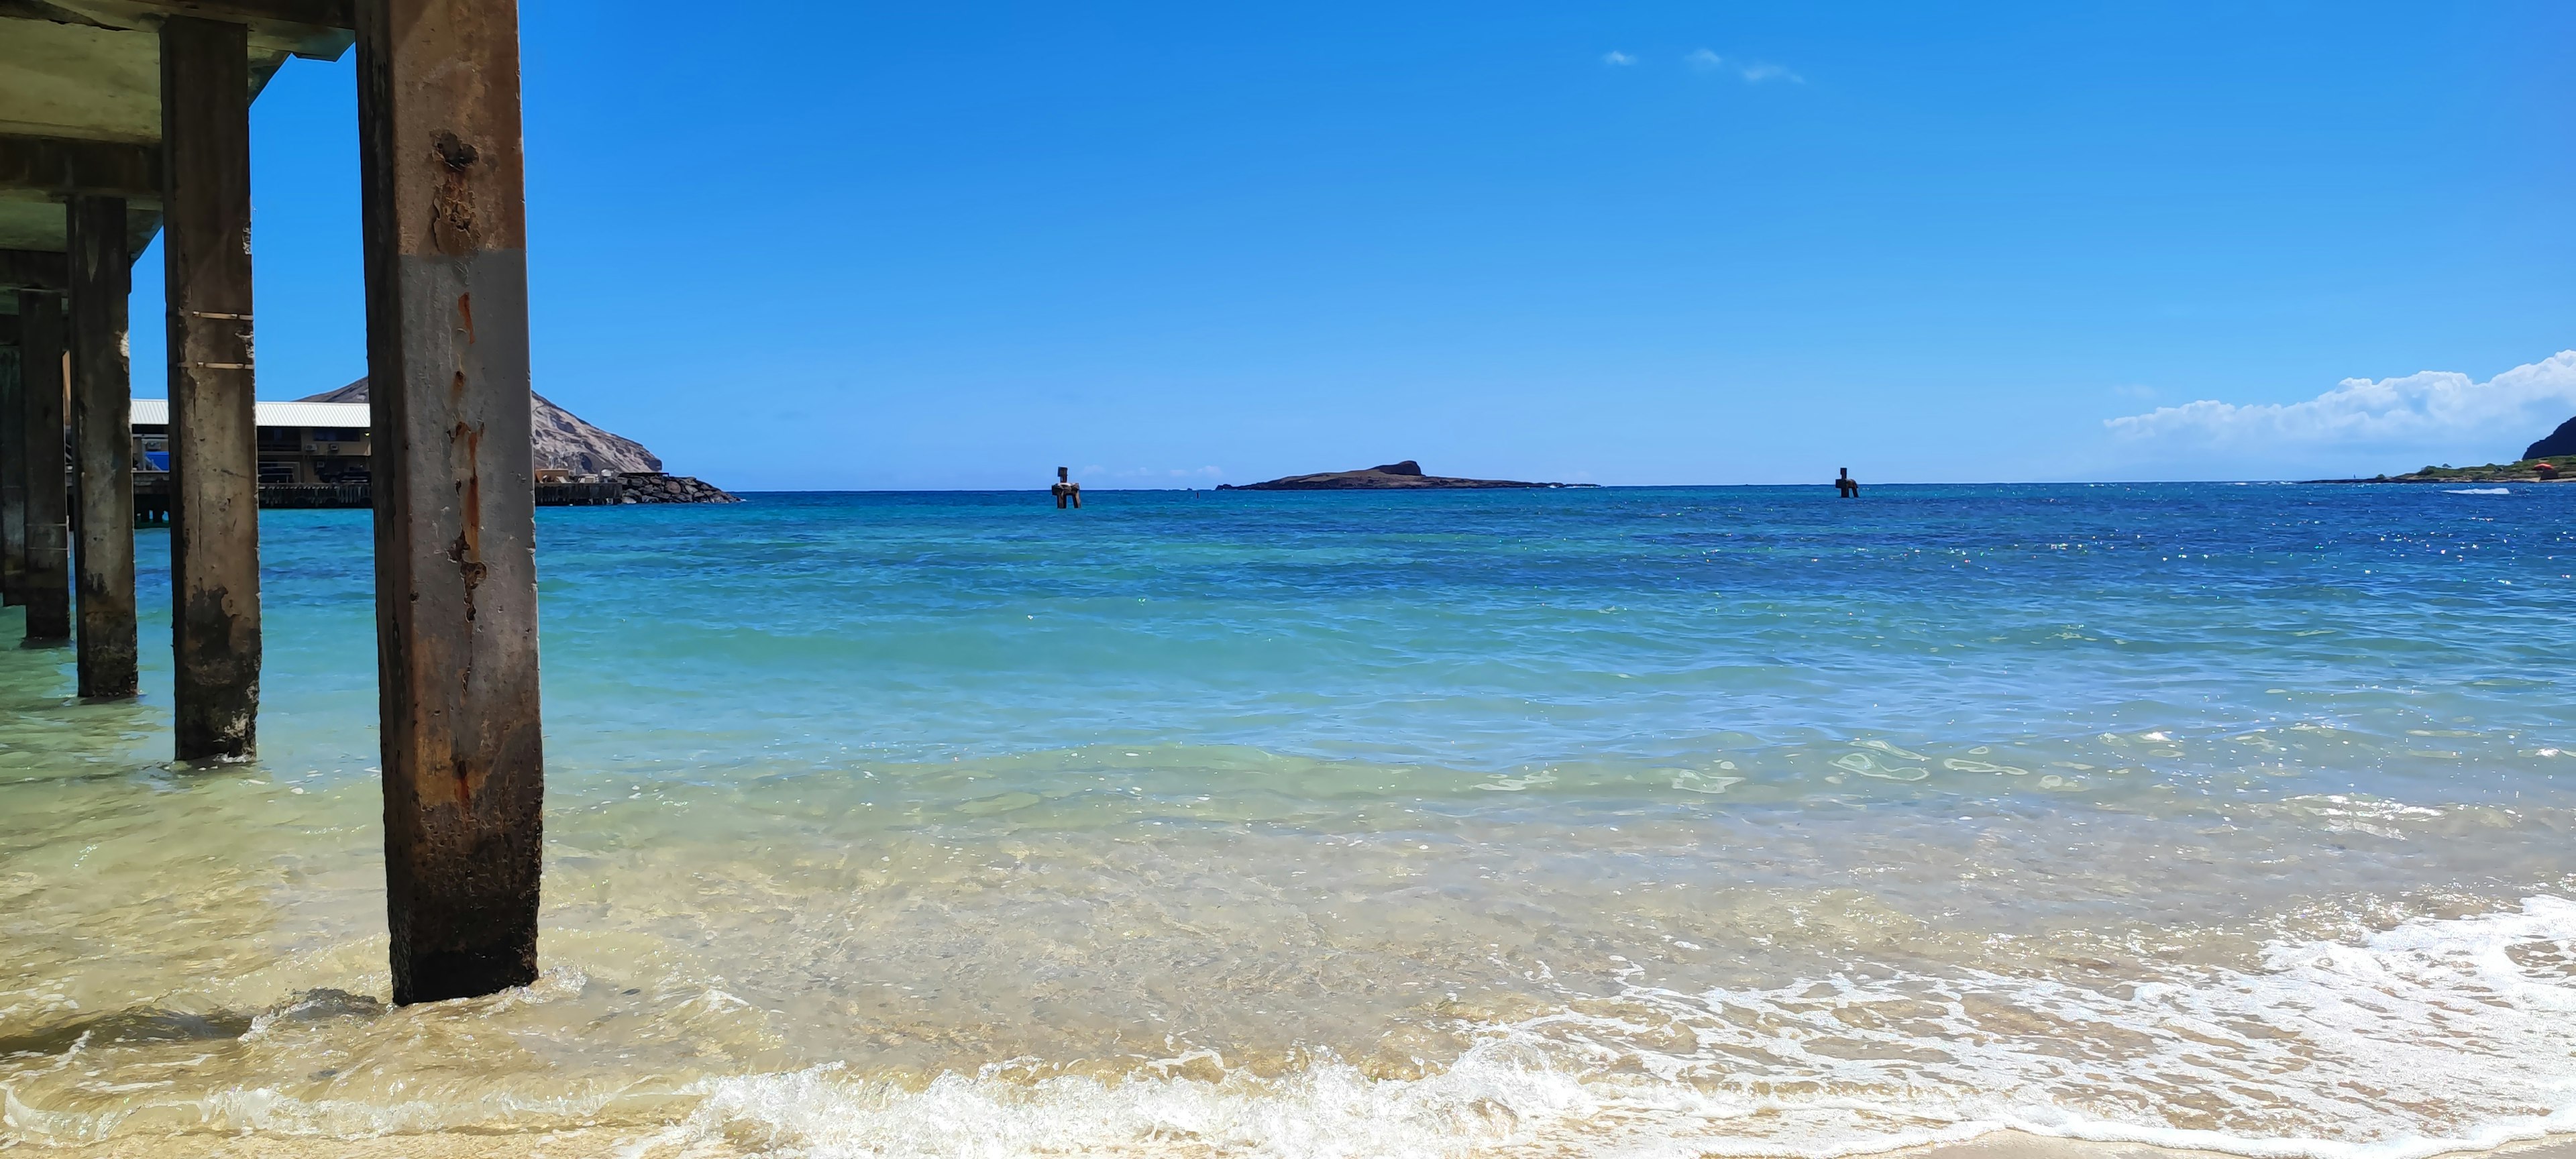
{"x": 214, "y": 440}
{"x": 13, "y": 473}
{"x": 442, "y": 193}
{"x": 103, "y": 453}
{"x": 41, "y": 386}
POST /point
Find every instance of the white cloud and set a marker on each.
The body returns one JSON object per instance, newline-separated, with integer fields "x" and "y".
{"x": 1614, "y": 56}
{"x": 1754, "y": 72}
{"x": 2436, "y": 413}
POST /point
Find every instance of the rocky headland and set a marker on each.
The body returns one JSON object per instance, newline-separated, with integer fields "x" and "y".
{"x": 2550, "y": 460}
{"x": 2523, "y": 471}
{"x": 2557, "y": 444}
{"x": 1404, "y": 476}
{"x": 583, "y": 453}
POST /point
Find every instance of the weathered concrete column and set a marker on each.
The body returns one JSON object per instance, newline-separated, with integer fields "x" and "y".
{"x": 214, "y": 437}
{"x": 13, "y": 472}
{"x": 103, "y": 449}
{"x": 41, "y": 384}
{"x": 456, "y": 585}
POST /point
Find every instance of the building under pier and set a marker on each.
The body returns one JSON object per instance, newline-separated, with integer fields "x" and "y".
{"x": 298, "y": 442}
{"x": 318, "y": 454}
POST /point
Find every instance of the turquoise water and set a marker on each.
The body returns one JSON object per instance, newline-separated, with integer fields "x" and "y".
{"x": 1738, "y": 820}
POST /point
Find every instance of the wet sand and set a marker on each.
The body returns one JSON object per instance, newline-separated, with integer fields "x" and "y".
{"x": 2015, "y": 1145}
{"x": 604, "y": 1143}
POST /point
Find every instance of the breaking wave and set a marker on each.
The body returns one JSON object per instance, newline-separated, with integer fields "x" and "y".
{"x": 2434, "y": 1036}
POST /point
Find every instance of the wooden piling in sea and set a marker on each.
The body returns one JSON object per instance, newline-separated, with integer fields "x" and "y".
{"x": 13, "y": 465}
{"x": 103, "y": 449}
{"x": 47, "y": 594}
{"x": 20, "y": 270}
{"x": 214, "y": 462}
{"x": 447, "y": 348}
{"x": 456, "y": 612}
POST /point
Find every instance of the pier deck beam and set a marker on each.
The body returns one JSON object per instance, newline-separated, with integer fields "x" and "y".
{"x": 214, "y": 453}
{"x": 103, "y": 437}
{"x": 442, "y": 192}
{"x": 40, "y": 376}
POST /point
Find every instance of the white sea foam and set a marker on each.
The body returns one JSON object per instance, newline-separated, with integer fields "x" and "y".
{"x": 2434, "y": 1036}
{"x": 2480, "y": 491}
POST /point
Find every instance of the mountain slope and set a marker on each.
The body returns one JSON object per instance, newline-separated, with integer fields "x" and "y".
{"x": 563, "y": 440}
{"x": 2559, "y": 442}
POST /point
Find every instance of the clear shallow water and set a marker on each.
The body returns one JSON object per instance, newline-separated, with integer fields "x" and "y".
{"x": 1666, "y": 822}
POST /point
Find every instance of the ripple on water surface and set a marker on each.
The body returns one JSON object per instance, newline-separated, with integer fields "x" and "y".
{"x": 1665, "y": 822}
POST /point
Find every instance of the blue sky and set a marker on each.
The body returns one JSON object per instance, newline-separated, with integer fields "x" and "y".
{"x": 930, "y": 246}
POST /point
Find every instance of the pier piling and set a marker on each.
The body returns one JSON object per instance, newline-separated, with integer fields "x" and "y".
{"x": 103, "y": 437}
{"x": 13, "y": 468}
{"x": 441, "y": 188}
{"x": 47, "y": 593}
{"x": 442, "y": 194}
{"x": 214, "y": 464}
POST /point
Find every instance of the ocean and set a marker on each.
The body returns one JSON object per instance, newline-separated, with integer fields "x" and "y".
{"x": 1636, "y": 822}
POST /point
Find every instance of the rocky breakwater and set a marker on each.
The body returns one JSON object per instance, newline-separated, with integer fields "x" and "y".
{"x": 570, "y": 450}
{"x": 656, "y": 487}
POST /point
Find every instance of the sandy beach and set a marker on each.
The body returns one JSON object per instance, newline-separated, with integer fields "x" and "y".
{"x": 603, "y": 1143}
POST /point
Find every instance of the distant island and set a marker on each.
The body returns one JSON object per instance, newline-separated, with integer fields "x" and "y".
{"x": 1404, "y": 476}
{"x": 2545, "y": 461}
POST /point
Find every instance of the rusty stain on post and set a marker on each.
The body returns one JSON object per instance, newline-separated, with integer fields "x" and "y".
{"x": 214, "y": 456}
{"x": 41, "y": 381}
{"x": 103, "y": 434}
{"x": 447, "y": 352}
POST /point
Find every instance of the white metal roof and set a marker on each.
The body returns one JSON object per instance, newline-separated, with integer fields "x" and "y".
{"x": 155, "y": 412}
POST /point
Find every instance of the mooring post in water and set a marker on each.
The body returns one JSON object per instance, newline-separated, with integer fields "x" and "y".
{"x": 13, "y": 465}
{"x": 41, "y": 386}
{"x": 214, "y": 452}
{"x": 456, "y": 587}
{"x": 103, "y": 437}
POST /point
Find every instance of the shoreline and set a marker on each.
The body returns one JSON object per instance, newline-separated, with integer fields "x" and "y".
{"x": 2011, "y": 1144}
{"x": 638, "y": 1143}
{"x": 2534, "y": 481}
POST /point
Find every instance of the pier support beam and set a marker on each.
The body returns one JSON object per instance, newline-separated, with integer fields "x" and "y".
{"x": 40, "y": 377}
{"x": 13, "y": 472}
{"x": 442, "y": 192}
{"x": 214, "y": 441}
{"x": 103, "y": 437}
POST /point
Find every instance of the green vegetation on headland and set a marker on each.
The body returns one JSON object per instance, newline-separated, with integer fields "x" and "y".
{"x": 2523, "y": 471}
{"x": 2551, "y": 459}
